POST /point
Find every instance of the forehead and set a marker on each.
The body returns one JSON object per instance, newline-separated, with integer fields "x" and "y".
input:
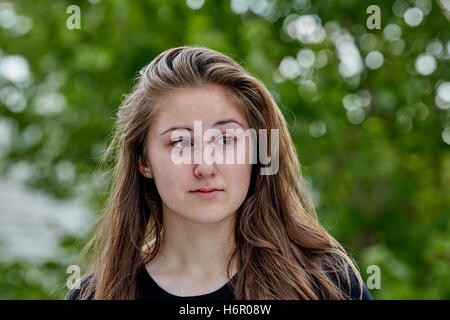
{"x": 208, "y": 104}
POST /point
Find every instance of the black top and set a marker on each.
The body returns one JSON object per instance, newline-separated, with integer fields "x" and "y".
{"x": 148, "y": 289}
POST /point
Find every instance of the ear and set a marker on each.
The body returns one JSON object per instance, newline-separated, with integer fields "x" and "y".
{"x": 144, "y": 169}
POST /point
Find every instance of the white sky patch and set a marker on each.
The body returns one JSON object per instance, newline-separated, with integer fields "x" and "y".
{"x": 289, "y": 68}
{"x": 306, "y": 58}
{"x": 413, "y": 17}
{"x": 374, "y": 60}
{"x": 239, "y": 6}
{"x": 32, "y": 223}
{"x": 14, "y": 68}
{"x": 351, "y": 62}
{"x": 195, "y": 4}
{"x": 425, "y": 64}
{"x": 49, "y": 103}
{"x": 306, "y": 29}
{"x": 442, "y": 98}
{"x": 392, "y": 32}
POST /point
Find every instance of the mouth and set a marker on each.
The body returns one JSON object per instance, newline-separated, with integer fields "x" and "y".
{"x": 207, "y": 193}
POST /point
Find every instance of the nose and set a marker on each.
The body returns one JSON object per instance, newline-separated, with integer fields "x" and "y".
{"x": 204, "y": 170}
{"x": 208, "y": 167}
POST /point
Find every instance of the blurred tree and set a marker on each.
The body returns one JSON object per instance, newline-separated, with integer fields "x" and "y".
{"x": 369, "y": 111}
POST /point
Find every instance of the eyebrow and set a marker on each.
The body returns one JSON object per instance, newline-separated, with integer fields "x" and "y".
{"x": 217, "y": 124}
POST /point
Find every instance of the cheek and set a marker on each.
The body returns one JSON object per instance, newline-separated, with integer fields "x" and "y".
{"x": 238, "y": 179}
{"x": 167, "y": 175}
{"x": 170, "y": 173}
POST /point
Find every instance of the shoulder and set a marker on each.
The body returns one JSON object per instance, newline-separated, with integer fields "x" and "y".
{"x": 75, "y": 293}
{"x": 349, "y": 281}
{"x": 357, "y": 290}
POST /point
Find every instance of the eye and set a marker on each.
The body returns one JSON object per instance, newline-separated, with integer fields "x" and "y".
{"x": 227, "y": 139}
{"x": 186, "y": 142}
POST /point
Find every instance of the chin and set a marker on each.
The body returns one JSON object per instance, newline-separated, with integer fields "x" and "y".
{"x": 208, "y": 217}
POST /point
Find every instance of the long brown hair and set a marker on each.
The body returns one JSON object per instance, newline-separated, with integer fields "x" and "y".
{"x": 282, "y": 251}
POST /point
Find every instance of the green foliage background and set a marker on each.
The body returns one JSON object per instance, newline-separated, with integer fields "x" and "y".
{"x": 381, "y": 186}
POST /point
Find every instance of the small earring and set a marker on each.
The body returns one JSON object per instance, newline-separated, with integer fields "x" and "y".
{"x": 146, "y": 173}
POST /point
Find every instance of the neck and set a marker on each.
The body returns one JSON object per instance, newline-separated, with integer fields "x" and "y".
{"x": 197, "y": 250}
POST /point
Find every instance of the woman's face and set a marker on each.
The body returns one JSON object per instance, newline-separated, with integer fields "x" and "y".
{"x": 176, "y": 182}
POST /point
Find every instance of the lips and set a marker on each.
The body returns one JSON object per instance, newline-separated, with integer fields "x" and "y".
{"x": 206, "y": 189}
{"x": 207, "y": 192}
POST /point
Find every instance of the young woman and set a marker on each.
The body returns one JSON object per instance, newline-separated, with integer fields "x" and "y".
{"x": 209, "y": 229}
